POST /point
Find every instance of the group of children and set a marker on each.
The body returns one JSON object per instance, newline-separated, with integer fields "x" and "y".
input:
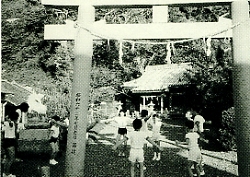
{"x": 137, "y": 142}
{"x": 138, "y": 136}
{"x": 10, "y": 131}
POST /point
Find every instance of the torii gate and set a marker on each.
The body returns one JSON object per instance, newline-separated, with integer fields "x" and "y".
{"x": 84, "y": 49}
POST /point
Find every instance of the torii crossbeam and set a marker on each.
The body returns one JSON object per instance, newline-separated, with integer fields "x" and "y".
{"x": 135, "y": 3}
{"x": 143, "y": 31}
{"x": 84, "y": 51}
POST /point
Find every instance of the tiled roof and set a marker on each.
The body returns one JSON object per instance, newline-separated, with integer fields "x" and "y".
{"x": 158, "y": 78}
{"x": 19, "y": 93}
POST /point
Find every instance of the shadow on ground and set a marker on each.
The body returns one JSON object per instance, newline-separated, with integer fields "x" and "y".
{"x": 102, "y": 161}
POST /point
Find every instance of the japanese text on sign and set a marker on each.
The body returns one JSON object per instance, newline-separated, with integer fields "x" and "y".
{"x": 75, "y": 123}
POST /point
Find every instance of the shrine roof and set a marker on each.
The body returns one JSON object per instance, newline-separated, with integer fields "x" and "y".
{"x": 15, "y": 93}
{"x": 158, "y": 78}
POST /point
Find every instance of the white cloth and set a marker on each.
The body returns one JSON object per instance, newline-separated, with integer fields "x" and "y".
{"x": 137, "y": 139}
{"x": 193, "y": 139}
{"x": 67, "y": 123}
{"x": 194, "y": 153}
{"x": 9, "y": 132}
{"x": 121, "y": 121}
{"x": 144, "y": 127}
{"x": 20, "y": 116}
{"x": 21, "y": 119}
{"x": 55, "y": 131}
{"x": 156, "y": 127}
{"x": 201, "y": 120}
{"x": 136, "y": 155}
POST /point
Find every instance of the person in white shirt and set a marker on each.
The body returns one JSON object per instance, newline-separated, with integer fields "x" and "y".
{"x": 198, "y": 127}
{"x": 156, "y": 124}
{"x": 22, "y": 110}
{"x": 137, "y": 140}
{"x": 144, "y": 117}
{"x": 122, "y": 122}
{"x": 9, "y": 128}
{"x": 194, "y": 152}
{"x": 197, "y": 119}
{"x": 54, "y": 137}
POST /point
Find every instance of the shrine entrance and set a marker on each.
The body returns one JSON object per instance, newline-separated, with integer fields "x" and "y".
{"x": 87, "y": 30}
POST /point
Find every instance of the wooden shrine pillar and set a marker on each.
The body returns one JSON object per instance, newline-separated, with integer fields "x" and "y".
{"x": 162, "y": 104}
{"x": 76, "y": 145}
{"x": 241, "y": 83}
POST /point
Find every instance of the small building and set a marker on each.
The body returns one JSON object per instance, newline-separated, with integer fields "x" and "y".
{"x": 163, "y": 85}
{"x": 18, "y": 94}
{"x": 13, "y": 93}
{"x": 30, "y": 139}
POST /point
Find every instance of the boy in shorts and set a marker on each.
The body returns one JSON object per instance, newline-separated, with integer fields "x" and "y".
{"x": 9, "y": 128}
{"x": 137, "y": 139}
{"x": 156, "y": 124}
{"x": 54, "y": 137}
{"x": 122, "y": 122}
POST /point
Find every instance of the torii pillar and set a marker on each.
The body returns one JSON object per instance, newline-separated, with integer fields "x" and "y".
{"x": 241, "y": 83}
{"x": 160, "y": 15}
{"x": 75, "y": 153}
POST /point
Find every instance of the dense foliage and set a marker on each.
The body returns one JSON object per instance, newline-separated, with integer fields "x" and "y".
{"x": 212, "y": 76}
{"x": 227, "y": 132}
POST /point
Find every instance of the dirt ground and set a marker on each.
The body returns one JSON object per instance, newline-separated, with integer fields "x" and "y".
{"x": 102, "y": 161}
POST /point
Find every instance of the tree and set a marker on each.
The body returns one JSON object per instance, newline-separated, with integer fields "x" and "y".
{"x": 212, "y": 76}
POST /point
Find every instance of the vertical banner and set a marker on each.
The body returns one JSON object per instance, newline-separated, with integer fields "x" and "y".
{"x": 76, "y": 144}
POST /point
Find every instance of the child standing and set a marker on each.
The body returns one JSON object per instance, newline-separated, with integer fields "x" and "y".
{"x": 194, "y": 153}
{"x": 198, "y": 127}
{"x": 197, "y": 119}
{"x": 137, "y": 139}
{"x": 9, "y": 128}
{"x": 156, "y": 124}
{"x": 145, "y": 117}
{"x": 122, "y": 122}
{"x": 54, "y": 137}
